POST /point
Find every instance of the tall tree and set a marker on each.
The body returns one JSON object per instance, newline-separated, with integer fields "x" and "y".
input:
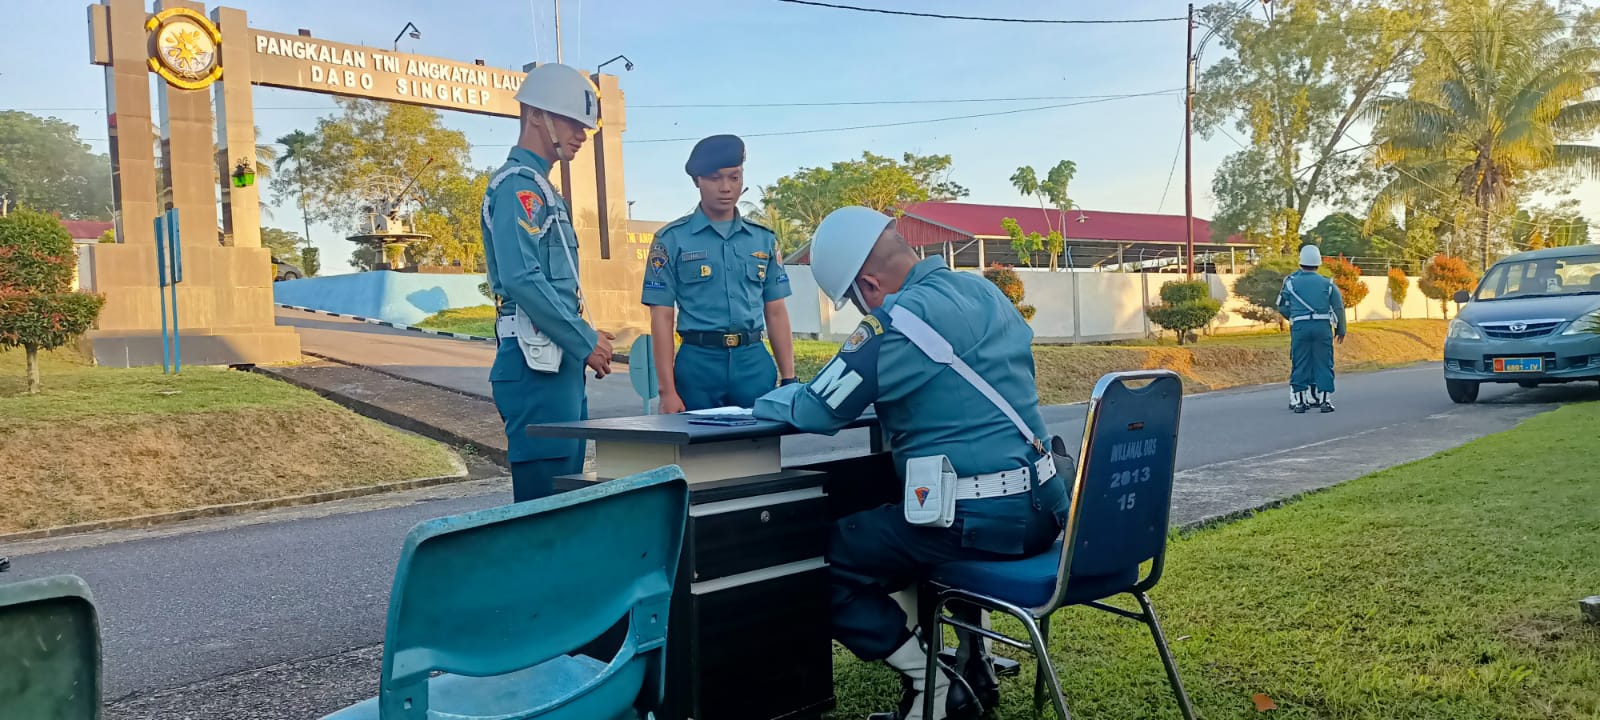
{"x": 1500, "y": 97}
{"x": 284, "y": 244}
{"x": 1054, "y": 190}
{"x": 881, "y": 183}
{"x": 1296, "y": 86}
{"x": 451, "y": 218}
{"x": 45, "y": 166}
{"x": 296, "y": 146}
{"x": 764, "y": 210}
{"x": 370, "y": 141}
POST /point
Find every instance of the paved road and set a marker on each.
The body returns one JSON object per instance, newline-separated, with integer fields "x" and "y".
{"x": 460, "y": 365}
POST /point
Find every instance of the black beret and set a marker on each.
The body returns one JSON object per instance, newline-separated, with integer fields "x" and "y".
{"x": 715, "y": 153}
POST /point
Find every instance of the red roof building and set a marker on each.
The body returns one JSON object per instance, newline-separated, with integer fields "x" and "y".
{"x": 86, "y": 230}
{"x": 972, "y": 235}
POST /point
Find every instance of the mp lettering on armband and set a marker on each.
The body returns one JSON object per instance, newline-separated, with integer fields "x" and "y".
{"x": 835, "y": 383}
{"x": 849, "y": 382}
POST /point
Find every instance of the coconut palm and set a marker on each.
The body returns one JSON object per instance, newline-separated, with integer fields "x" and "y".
{"x": 1500, "y": 95}
{"x": 296, "y": 146}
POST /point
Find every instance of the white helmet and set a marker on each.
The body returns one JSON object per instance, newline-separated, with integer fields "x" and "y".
{"x": 1310, "y": 256}
{"x": 561, "y": 90}
{"x": 840, "y": 247}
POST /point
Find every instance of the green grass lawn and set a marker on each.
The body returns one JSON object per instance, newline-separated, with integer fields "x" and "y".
{"x": 1444, "y": 589}
{"x": 477, "y": 320}
{"x": 100, "y": 443}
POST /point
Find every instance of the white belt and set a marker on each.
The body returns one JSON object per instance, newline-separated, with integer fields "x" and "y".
{"x": 1002, "y": 484}
{"x": 505, "y": 326}
{"x": 1316, "y": 316}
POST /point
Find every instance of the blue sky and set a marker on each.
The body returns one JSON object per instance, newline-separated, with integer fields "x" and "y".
{"x": 752, "y": 51}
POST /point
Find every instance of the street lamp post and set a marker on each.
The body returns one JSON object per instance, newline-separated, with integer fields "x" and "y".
{"x": 415, "y": 35}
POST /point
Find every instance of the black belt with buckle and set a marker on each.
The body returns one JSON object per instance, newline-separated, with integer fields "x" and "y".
{"x": 720, "y": 339}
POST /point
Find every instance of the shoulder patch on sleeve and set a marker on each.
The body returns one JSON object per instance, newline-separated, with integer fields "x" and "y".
{"x": 658, "y": 258}
{"x": 531, "y": 202}
{"x": 869, "y": 328}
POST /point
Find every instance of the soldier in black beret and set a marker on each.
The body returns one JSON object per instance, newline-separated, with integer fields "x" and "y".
{"x": 716, "y": 280}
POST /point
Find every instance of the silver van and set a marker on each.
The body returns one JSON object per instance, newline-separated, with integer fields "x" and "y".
{"x": 1534, "y": 319}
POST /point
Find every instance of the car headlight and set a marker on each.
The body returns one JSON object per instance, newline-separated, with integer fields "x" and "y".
{"x": 1588, "y": 323}
{"x": 1460, "y": 330}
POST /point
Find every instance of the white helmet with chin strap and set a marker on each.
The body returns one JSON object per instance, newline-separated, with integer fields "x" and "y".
{"x": 561, "y": 90}
{"x": 840, "y": 247}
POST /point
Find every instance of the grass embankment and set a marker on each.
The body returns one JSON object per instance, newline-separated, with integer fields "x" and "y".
{"x": 1444, "y": 589}
{"x": 101, "y": 443}
{"x": 810, "y": 355}
{"x": 1067, "y": 373}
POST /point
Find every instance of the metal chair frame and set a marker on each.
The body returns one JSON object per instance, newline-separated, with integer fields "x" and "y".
{"x": 1036, "y": 620}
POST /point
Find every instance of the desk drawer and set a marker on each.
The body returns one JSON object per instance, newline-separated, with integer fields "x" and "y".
{"x": 745, "y": 534}
{"x": 762, "y": 648}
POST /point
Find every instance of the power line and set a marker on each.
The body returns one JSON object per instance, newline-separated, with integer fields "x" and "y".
{"x": 907, "y": 13}
{"x": 1171, "y": 172}
{"x": 682, "y": 106}
{"x": 914, "y": 122}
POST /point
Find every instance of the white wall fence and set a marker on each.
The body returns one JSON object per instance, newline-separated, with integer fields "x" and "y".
{"x": 1087, "y": 307}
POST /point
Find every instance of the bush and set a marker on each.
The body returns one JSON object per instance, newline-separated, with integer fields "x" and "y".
{"x": 1259, "y": 288}
{"x": 1184, "y": 306}
{"x": 483, "y": 287}
{"x": 1010, "y": 286}
{"x": 37, "y": 309}
{"x": 1443, "y": 277}
{"x": 1399, "y": 286}
{"x": 109, "y": 236}
{"x": 1347, "y": 277}
{"x": 310, "y": 261}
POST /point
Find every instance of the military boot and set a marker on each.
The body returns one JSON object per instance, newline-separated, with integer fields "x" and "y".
{"x": 976, "y": 666}
{"x": 950, "y": 696}
{"x": 1327, "y": 402}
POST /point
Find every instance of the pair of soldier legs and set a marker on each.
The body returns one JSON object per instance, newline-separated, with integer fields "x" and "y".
{"x": 710, "y": 377}
{"x": 1311, "y": 358}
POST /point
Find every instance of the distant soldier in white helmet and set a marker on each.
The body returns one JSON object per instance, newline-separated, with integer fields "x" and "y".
{"x": 1315, "y": 310}
{"x": 532, "y": 251}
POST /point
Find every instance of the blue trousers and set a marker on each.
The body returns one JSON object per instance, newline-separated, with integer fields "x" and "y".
{"x": 874, "y": 553}
{"x": 1311, "y": 355}
{"x": 709, "y": 377}
{"x": 524, "y": 398}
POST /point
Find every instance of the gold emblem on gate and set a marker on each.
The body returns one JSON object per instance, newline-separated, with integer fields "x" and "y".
{"x": 185, "y": 48}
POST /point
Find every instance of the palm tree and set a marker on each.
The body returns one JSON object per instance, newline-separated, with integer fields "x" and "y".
{"x": 764, "y": 211}
{"x": 1499, "y": 96}
{"x": 296, "y": 146}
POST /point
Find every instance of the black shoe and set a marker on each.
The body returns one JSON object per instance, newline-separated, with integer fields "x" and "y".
{"x": 959, "y": 702}
{"x": 980, "y": 675}
{"x": 1300, "y": 409}
{"x": 1327, "y": 407}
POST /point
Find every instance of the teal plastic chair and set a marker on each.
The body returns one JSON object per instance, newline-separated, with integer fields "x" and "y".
{"x": 487, "y": 606}
{"x": 49, "y": 650}
{"x": 1121, "y": 509}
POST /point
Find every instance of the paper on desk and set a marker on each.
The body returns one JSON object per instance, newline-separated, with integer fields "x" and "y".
{"x": 730, "y": 410}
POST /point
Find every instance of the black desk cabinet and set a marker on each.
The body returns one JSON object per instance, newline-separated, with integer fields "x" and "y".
{"x": 749, "y": 637}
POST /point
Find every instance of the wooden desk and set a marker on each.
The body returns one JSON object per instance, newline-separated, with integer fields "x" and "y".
{"x": 750, "y": 635}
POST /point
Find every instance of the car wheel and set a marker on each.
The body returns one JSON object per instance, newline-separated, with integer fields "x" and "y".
{"x": 291, "y": 276}
{"x": 1462, "y": 392}
{"x": 1528, "y": 384}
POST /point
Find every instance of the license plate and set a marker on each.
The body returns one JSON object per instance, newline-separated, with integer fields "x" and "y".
{"x": 1519, "y": 365}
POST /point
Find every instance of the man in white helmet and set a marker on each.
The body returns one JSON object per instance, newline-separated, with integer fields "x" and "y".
{"x": 531, "y": 251}
{"x": 1315, "y": 310}
{"x": 1003, "y": 502}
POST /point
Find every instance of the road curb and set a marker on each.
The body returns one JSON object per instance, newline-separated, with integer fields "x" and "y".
{"x": 210, "y": 511}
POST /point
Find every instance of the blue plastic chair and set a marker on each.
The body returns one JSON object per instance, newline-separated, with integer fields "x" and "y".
{"x": 1118, "y": 520}
{"x": 487, "y": 606}
{"x": 49, "y": 650}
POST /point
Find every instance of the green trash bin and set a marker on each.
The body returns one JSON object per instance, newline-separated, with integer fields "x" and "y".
{"x": 49, "y": 650}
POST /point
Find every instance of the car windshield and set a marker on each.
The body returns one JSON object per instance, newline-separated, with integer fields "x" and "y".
{"x": 1538, "y": 277}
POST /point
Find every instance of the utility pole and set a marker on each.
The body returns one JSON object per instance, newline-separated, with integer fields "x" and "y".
{"x": 558, "y": 31}
{"x": 1188, "y": 142}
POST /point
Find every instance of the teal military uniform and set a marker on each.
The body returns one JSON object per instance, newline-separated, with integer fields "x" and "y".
{"x": 1314, "y": 307}
{"x": 926, "y": 408}
{"x": 720, "y": 276}
{"x": 524, "y": 228}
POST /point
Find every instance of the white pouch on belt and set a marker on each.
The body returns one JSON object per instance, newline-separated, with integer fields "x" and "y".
{"x": 930, "y": 492}
{"x": 540, "y": 352}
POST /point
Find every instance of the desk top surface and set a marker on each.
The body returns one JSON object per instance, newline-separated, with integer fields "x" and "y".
{"x": 672, "y": 429}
